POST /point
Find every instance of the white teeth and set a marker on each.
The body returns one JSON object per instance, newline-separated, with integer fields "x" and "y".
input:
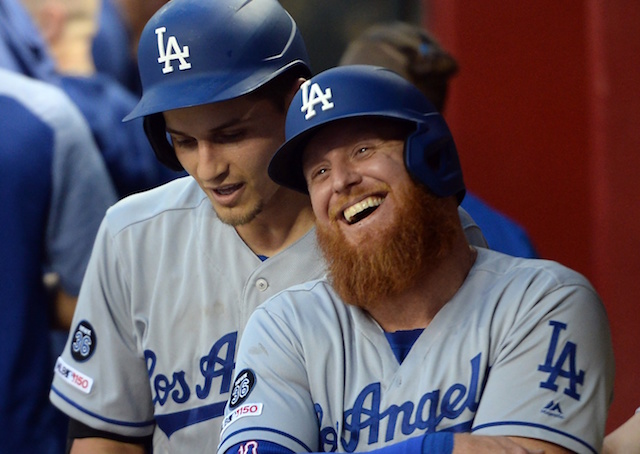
{"x": 370, "y": 202}
{"x": 227, "y": 189}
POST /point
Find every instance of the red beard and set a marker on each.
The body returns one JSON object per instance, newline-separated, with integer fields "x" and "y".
{"x": 389, "y": 261}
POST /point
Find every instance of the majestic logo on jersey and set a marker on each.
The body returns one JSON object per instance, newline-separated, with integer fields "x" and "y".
{"x": 171, "y": 52}
{"x": 555, "y": 366}
{"x": 367, "y": 416}
{"x": 242, "y": 387}
{"x": 553, "y": 409}
{"x": 84, "y": 341}
{"x": 178, "y": 387}
{"x": 312, "y": 95}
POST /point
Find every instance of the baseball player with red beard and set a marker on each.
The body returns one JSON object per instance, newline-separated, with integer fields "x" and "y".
{"x": 416, "y": 341}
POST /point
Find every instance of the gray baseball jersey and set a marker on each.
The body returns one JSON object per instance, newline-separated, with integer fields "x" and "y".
{"x": 522, "y": 349}
{"x": 167, "y": 292}
{"x": 166, "y": 295}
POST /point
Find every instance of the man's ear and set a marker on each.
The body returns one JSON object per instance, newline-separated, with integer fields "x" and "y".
{"x": 294, "y": 89}
{"x": 299, "y": 82}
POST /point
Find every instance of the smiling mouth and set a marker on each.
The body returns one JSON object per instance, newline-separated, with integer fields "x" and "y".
{"x": 226, "y": 190}
{"x": 362, "y": 209}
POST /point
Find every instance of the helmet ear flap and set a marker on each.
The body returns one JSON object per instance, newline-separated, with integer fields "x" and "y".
{"x": 431, "y": 158}
{"x": 154, "y": 128}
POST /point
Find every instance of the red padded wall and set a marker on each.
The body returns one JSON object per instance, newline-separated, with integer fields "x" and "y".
{"x": 546, "y": 115}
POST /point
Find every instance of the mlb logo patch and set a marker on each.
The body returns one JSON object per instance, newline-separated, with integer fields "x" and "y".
{"x": 78, "y": 380}
{"x": 241, "y": 412}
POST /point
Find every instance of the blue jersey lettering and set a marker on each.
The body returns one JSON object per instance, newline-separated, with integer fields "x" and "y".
{"x": 425, "y": 416}
{"x": 219, "y": 362}
{"x": 555, "y": 369}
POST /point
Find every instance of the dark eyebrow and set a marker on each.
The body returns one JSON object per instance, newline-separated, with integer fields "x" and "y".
{"x": 221, "y": 127}
{"x": 243, "y": 117}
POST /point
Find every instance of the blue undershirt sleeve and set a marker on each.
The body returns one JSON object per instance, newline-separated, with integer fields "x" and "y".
{"x": 437, "y": 443}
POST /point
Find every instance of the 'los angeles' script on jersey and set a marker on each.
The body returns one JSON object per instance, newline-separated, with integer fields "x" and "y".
{"x": 367, "y": 417}
{"x": 425, "y": 416}
{"x": 216, "y": 374}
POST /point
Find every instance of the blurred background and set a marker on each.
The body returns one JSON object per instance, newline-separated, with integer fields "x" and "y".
{"x": 545, "y": 110}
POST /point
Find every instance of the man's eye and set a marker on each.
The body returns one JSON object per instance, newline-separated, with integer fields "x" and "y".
{"x": 316, "y": 174}
{"x": 182, "y": 142}
{"x": 362, "y": 151}
{"x": 229, "y": 137}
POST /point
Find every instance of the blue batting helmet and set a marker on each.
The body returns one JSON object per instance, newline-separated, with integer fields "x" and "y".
{"x": 195, "y": 52}
{"x": 430, "y": 153}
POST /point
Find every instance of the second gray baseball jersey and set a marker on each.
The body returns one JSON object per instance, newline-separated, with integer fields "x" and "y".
{"x": 523, "y": 349}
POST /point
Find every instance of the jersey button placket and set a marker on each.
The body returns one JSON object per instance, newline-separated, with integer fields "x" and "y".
{"x": 262, "y": 284}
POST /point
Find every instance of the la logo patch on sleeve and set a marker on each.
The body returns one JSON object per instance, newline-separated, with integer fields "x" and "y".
{"x": 84, "y": 341}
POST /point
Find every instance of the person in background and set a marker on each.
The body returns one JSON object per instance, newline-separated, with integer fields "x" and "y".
{"x": 22, "y": 48}
{"x": 120, "y": 25}
{"x": 55, "y": 190}
{"x": 416, "y": 55}
{"x": 626, "y": 438}
{"x": 68, "y": 27}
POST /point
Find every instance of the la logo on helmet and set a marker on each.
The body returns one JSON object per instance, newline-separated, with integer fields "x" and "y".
{"x": 313, "y": 96}
{"x": 171, "y": 52}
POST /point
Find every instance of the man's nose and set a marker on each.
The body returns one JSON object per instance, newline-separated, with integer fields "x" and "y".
{"x": 211, "y": 162}
{"x": 344, "y": 176}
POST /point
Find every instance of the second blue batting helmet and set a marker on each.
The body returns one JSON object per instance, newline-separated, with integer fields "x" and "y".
{"x": 430, "y": 153}
{"x": 195, "y": 52}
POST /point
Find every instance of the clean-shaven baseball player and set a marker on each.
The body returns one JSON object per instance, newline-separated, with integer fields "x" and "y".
{"x": 176, "y": 271}
{"x": 441, "y": 346}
